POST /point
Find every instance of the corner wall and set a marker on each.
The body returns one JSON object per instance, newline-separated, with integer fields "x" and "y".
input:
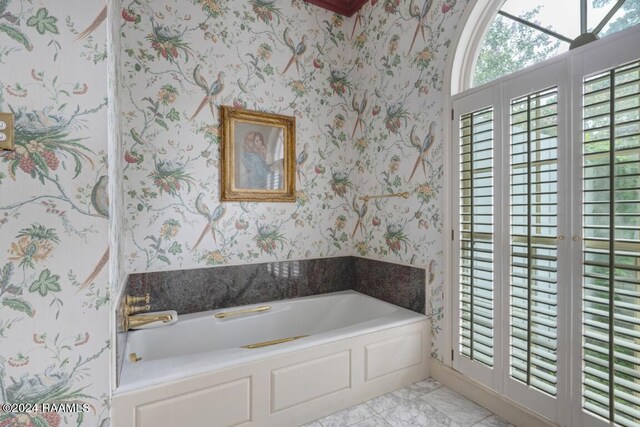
{"x": 401, "y": 148}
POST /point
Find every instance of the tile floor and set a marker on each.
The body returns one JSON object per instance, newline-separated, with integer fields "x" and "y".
{"x": 423, "y": 404}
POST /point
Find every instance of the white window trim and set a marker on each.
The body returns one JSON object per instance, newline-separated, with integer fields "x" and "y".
{"x": 614, "y": 51}
{"x": 498, "y": 94}
{"x": 472, "y": 28}
{"x": 458, "y": 71}
{"x": 457, "y": 78}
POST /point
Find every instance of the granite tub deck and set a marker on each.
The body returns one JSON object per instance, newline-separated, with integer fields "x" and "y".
{"x": 205, "y": 289}
{"x": 422, "y": 404}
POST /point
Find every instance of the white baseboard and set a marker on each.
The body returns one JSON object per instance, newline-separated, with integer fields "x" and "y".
{"x": 500, "y": 405}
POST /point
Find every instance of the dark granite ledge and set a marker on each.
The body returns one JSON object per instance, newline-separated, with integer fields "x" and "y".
{"x": 191, "y": 291}
{"x": 203, "y": 289}
{"x": 398, "y": 284}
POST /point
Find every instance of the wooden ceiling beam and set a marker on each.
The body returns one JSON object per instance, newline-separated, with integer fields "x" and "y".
{"x": 342, "y": 7}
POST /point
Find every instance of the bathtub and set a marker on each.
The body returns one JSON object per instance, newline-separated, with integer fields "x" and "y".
{"x": 286, "y": 363}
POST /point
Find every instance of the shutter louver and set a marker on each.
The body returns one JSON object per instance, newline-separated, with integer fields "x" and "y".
{"x": 545, "y": 254}
{"x": 533, "y": 240}
{"x": 476, "y": 236}
{"x": 611, "y": 245}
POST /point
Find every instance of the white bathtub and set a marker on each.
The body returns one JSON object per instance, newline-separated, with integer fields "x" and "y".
{"x": 352, "y": 339}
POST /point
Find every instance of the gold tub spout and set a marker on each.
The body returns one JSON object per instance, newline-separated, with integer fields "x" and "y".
{"x": 259, "y": 309}
{"x": 272, "y": 342}
{"x": 145, "y": 319}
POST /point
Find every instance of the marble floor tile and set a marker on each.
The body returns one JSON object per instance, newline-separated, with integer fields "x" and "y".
{"x": 403, "y": 416}
{"x": 455, "y": 406}
{"x": 390, "y": 400}
{"x": 348, "y": 417}
{"x": 423, "y": 404}
{"x": 423, "y": 387}
{"x": 493, "y": 421}
{"x": 376, "y": 421}
{"x": 434, "y": 416}
{"x": 417, "y": 413}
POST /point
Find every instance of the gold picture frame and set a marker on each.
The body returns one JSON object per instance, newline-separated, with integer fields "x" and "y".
{"x": 258, "y": 156}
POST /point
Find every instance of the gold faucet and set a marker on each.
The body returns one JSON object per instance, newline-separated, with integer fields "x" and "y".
{"x": 128, "y": 309}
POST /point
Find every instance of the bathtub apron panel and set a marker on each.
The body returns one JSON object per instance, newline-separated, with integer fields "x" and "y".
{"x": 289, "y": 389}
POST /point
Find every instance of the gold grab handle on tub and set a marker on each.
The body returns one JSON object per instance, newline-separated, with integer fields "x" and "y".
{"x": 272, "y": 342}
{"x": 259, "y": 309}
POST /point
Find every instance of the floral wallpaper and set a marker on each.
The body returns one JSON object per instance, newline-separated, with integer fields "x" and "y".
{"x": 282, "y": 57}
{"x": 402, "y": 47}
{"x": 367, "y": 95}
{"x": 54, "y": 297}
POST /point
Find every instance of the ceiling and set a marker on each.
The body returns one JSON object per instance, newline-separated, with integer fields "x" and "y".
{"x": 343, "y": 7}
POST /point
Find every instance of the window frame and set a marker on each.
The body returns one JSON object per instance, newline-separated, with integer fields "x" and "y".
{"x": 622, "y": 49}
{"x": 475, "y": 102}
{"x": 499, "y": 94}
{"x": 610, "y": 52}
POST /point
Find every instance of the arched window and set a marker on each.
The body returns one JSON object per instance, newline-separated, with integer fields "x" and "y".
{"x": 524, "y": 33}
{"x": 545, "y": 176}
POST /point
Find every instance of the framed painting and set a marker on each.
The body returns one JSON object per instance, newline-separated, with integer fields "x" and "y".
{"x": 258, "y": 156}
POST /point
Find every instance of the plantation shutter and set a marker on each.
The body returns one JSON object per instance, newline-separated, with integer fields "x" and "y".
{"x": 476, "y": 237}
{"x": 533, "y": 236}
{"x": 545, "y": 252}
{"x": 611, "y": 245}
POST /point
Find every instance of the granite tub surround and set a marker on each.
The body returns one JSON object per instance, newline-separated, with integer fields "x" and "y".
{"x": 202, "y": 289}
{"x": 398, "y": 284}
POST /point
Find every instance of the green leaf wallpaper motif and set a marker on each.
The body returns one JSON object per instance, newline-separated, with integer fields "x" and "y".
{"x": 46, "y": 283}
{"x": 43, "y": 22}
{"x": 16, "y": 35}
{"x": 18, "y": 304}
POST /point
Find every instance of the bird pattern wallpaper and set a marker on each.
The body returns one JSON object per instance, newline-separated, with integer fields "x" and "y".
{"x": 366, "y": 92}
{"x": 54, "y": 292}
{"x": 367, "y": 95}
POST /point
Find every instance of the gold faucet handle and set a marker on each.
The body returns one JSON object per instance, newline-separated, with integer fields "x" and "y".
{"x": 129, "y": 310}
{"x": 146, "y": 298}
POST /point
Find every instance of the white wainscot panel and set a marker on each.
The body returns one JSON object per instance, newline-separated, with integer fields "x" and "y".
{"x": 385, "y": 357}
{"x": 225, "y": 405}
{"x": 304, "y": 382}
{"x": 287, "y": 390}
